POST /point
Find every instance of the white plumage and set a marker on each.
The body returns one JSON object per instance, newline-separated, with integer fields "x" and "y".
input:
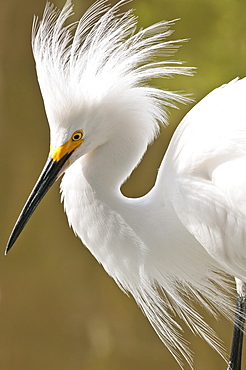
{"x": 173, "y": 245}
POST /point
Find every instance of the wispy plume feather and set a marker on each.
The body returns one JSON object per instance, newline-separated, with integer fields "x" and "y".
{"x": 103, "y": 49}
{"x": 104, "y": 54}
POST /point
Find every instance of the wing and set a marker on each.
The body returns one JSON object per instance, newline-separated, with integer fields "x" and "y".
{"x": 215, "y": 219}
{"x": 206, "y": 167}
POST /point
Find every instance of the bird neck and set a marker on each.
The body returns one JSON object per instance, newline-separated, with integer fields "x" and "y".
{"x": 97, "y": 210}
{"x": 99, "y": 213}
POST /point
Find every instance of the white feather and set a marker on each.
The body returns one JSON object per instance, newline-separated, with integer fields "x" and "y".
{"x": 93, "y": 76}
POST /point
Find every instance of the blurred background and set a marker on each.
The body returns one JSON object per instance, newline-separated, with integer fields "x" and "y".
{"x": 58, "y": 308}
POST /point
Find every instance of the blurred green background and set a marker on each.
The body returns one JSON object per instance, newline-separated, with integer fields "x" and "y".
{"x": 58, "y": 308}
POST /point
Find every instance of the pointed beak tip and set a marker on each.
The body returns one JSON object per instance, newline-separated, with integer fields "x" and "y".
{"x": 7, "y": 249}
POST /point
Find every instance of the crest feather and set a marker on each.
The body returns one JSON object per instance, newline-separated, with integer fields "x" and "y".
{"x": 86, "y": 60}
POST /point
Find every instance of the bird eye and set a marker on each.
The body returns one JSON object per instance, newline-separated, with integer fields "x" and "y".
{"x": 77, "y": 135}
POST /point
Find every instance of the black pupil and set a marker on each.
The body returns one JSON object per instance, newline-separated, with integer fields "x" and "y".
{"x": 76, "y": 137}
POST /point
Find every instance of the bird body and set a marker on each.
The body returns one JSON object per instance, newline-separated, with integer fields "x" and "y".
{"x": 208, "y": 155}
{"x": 174, "y": 244}
{"x": 165, "y": 239}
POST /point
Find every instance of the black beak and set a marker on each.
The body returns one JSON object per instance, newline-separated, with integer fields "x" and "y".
{"x": 51, "y": 172}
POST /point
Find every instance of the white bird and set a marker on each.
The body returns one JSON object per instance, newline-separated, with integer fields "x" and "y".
{"x": 174, "y": 245}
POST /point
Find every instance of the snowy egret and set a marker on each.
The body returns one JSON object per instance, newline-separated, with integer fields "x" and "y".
{"x": 175, "y": 244}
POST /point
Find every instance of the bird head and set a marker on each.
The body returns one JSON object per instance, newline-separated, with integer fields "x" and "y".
{"x": 92, "y": 76}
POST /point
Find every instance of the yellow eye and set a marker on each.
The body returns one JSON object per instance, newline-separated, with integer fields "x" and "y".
{"x": 77, "y": 135}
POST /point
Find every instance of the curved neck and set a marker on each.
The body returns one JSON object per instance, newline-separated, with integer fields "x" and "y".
{"x": 99, "y": 213}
